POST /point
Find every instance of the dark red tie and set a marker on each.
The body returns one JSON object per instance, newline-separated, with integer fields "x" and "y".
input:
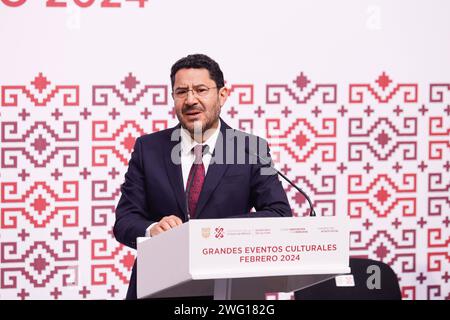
{"x": 195, "y": 179}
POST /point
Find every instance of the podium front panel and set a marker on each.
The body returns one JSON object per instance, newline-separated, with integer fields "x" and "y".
{"x": 232, "y": 248}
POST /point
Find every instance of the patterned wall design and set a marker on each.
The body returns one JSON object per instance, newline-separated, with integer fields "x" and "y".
{"x": 375, "y": 149}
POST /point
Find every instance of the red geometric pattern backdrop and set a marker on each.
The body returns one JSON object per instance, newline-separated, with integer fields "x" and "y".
{"x": 376, "y": 150}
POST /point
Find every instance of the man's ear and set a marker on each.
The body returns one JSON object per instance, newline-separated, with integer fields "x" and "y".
{"x": 223, "y": 95}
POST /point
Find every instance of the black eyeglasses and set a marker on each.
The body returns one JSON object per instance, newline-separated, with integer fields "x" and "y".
{"x": 198, "y": 91}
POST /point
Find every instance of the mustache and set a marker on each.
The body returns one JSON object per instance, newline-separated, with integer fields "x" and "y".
{"x": 192, "y": 108}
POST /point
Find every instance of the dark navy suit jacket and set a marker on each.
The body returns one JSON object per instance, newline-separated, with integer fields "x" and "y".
{"x": 153, "y": 186}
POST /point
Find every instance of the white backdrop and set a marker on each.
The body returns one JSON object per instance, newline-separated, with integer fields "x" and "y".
{"x": 352, "y": 95}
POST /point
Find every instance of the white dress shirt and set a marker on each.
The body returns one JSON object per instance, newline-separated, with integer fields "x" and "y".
{"x": 187, "y": 157}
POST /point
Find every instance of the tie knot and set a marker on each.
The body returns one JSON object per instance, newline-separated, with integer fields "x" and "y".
{"x": 199, "y": 150}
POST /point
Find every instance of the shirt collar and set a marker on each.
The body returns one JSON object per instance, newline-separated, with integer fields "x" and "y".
{"x": 187, "y": 143}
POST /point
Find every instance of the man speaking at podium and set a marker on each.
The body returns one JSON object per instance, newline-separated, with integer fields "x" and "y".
{"x": 196, "y": 169}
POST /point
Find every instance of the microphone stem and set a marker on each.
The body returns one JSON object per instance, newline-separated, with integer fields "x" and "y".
{"x": 312, "y": 212}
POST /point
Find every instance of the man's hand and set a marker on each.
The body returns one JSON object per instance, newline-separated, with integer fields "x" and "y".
{"x": 165, "y": 224}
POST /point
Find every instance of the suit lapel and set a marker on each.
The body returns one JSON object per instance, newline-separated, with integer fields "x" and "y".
{"x": 173, "y": 170}
{"x": 216, "y": 170}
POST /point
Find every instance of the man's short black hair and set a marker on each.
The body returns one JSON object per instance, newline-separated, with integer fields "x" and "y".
{"x": 199, "y": 61}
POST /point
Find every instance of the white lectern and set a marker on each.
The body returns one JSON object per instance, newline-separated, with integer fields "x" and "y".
{"x": 242, "y": 258}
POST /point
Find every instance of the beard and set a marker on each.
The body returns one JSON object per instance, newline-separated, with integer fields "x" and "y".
{"x": 209, "y": 119}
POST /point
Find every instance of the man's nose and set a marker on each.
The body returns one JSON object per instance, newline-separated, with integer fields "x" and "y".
{"x": 191, "y": 98}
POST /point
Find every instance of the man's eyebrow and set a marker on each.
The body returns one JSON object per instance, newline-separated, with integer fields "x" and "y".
{"x": 194, "y": 86}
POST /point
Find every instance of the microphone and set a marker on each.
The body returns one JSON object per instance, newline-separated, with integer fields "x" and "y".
{"x": 265, "y": 161}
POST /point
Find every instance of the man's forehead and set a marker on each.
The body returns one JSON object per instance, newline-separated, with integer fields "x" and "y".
{"x": 192, "y": 76}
